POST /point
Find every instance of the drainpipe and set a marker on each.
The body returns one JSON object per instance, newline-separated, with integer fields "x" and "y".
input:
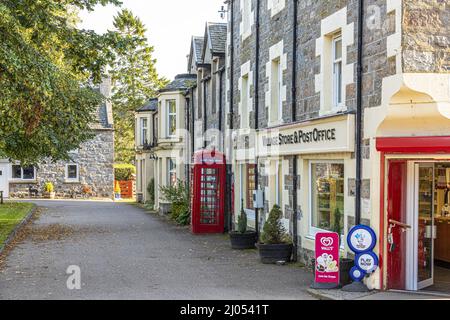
{"x": 221, "y": 71}
{"x": 358, "y": 286}
{"x": 294, "y": 61}
{"x": 358, "y": 138}
{"x": 294, "y": 118}
{"x": 256, "y": 98}
{"x": 187, "y": 126}
{"x": 192, "y": 122}
{"x": 204, "y": 113}
{"x": 230, "y": 114}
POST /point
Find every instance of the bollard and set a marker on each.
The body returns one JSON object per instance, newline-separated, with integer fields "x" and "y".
{"x": 1, "y": 197}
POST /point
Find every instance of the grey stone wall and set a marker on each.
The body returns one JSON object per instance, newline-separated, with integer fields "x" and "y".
{"x": 213, "y": 110}
{"x": 280, "y": 27}
{"x": 95, "y": 160}
{"x": 426, "y": 36}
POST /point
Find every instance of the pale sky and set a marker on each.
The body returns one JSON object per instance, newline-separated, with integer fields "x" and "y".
{"x": 170, "y": 25}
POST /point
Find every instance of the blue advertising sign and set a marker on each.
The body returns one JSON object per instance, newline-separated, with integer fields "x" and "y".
{"x": 367, "y": 261}
{"x": 357, "y": 274}
{"x": 361, "y": 239}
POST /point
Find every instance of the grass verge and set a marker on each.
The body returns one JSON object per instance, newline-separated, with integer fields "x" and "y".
{"x": 11, "y": 214}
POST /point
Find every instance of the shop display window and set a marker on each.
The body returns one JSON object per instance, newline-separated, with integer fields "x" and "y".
{"x": 327, "y": 196}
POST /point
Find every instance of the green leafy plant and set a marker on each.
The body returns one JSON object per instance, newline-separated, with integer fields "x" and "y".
{"x": 48, "y": 187}
{"x": 273, "y": 230}
{"x": 124, "y": 172}
{"x": 337, "y": 226}
{"x": 178, "y": 196}
{"x": 151, "y": 193}
{"x": 242, "y": 221}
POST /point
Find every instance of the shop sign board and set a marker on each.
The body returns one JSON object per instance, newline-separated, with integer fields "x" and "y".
{"x": 324, "y": 136}
{"x": 327, "y": 257}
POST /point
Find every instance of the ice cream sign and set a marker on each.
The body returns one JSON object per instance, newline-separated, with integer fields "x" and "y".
{"x": 327, "y": 258}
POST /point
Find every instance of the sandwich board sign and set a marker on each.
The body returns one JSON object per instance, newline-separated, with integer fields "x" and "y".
{"x": 327, "y": 258}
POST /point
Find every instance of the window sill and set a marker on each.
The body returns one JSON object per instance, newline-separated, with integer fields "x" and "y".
{"x": 169, "y": 140}
{"x": 21, "y": 181}
{"x": 245, "y": 35}
{"x": 72, "y": 181}
{"x": 275, "y": 124}
{"x": 333, "y": 111}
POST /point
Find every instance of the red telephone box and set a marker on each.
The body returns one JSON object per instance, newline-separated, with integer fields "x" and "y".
{"x": 208, "y": 192}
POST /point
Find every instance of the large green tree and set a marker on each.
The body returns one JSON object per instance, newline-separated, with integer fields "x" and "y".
{"x": 47, "y": 70}
{"x": 135, "y": 80}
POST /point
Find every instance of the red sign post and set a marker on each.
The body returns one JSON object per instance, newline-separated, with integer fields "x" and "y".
{"x": 327, "y": 258}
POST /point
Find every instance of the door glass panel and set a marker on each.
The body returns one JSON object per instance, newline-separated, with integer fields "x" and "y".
{"x": 425, "y": 238}
{"x": 209, "y": 196}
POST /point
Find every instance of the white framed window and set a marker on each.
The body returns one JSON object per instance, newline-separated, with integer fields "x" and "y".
{"x": 338, "y": 93}
{"x": 245, "y": 97}
{"x": 326, "y": 196}
{"x": 23, "y": 173}
{"x": 72, "y": 173}
{"x": 246, "y": 16}
{"x": 144, "y": 131}
{"x": 171, "y": 109}
{"x": 171, "y": 172}
{"x": 276, "y": 114}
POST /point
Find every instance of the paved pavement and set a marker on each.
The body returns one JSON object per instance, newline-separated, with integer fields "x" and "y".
{"x": 125, "y": 253}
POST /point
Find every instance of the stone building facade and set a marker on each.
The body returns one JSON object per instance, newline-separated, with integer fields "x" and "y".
{"x": 90, "y": 172}
{"x": 207, "y": 96}
{"x": 302, "y": 147}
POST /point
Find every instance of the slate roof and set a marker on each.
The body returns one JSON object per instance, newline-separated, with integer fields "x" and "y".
{"x": 198, "y": 43}
{"x": 217, "y": 33}
{"x": 181, "y": 82}
{"x": 151, "y": 105}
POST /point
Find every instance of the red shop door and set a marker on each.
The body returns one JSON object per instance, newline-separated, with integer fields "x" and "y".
{"x": 396, "y": 210}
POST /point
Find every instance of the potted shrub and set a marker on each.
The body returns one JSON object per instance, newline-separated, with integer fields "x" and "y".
{"x": 275, "y": 243}
{"x": 345, "y": 264}
{"x": 242, "y": 238}
{"x": 49, "y": 190}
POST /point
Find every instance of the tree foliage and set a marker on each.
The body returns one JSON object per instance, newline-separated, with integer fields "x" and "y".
{"x": 135, "y": 80}
{"x": 47, "y": 69}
